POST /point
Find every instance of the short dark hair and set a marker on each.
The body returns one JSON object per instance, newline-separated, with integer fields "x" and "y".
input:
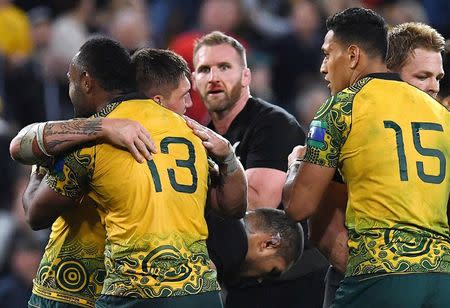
{"x": 363, "y": 27}
{"x": 108, "y": 63}
{"x": 275, "y": 222}
{"x": 158, "y": 71}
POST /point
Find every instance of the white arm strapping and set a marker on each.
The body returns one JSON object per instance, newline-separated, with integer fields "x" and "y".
{"x": 27, "y": 135}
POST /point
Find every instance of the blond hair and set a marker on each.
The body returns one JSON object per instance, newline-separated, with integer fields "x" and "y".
{"x": 218, "y": 38}
{"x": 404, "y": 38}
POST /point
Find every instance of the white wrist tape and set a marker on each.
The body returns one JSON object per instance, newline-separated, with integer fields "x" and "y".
{"x": 27, "y": 135}
{"x": 231, "y": 161}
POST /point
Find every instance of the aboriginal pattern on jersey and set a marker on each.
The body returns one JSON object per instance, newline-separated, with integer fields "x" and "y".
{"x": 67, "y": 173}
{"x": 72, "y": 276}
{"x": 329, "y": 129}
{"x": 398, "y": 249}
{"x": 176, "y": 267}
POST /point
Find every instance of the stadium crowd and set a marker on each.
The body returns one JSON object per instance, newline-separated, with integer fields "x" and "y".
{"x": 284, "y": 51}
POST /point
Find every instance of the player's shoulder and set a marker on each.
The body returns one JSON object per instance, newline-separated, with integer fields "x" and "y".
{"x": 264, "y": 111}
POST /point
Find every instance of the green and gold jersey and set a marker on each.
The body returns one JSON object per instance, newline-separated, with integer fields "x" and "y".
{"x": 391, "y": 143}
{"x": 153, "y": 212}
{"x": 72, "y": 269}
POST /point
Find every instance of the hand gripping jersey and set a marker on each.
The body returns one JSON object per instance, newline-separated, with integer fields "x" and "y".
{"x": 153, "y": 212}
{"x": 391, "y": 143}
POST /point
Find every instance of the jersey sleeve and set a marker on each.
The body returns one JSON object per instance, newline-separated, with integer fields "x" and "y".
{"x": 273, "y": 140}
{"x": 71, "y": 174}
{"x": 329, "y": 131}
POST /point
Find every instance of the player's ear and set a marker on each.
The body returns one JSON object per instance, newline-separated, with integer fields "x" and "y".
{"x": 86, "y": 82}
{"x": 193, "y": 83}
{"x": 246, "y": 77}
{"x": 158, "y": 98}
{"x": 354, "y": 54}
{"x": 269, "y": 244}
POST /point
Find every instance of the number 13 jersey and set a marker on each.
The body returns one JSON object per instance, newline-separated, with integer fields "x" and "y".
{"x": 153, "y": 212}
{"x": 391, "y": 143}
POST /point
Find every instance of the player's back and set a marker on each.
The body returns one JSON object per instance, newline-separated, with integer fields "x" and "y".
{"x": 154, "y": 212}
{"x": 395, "y": 163}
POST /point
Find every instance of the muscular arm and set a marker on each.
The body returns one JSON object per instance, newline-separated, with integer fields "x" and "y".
{"x": 302, "y": 197}
{"x": 264, "y": 187}
{"x": 229, "y": 197}
{"x": 41, "y": 204}
{"x": 327, "y": 229}
{"x": 33, "y": 145}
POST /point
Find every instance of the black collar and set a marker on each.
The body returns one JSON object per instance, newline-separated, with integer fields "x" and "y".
{"x": 386, "y": 75}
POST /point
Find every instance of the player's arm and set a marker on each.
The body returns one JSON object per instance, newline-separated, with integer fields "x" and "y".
{"x": 267, "y": 159}
{"x": 294, "y": 159}
{"x": 309, "y": 178}
{"x": 309, "y": 185}
{"x": 41, "y": 204}
{"x": 38, "y": 142}
{"x": 229, "y": 196}
{"x": 327, "y": 227}
{"x": 263, "y": 192}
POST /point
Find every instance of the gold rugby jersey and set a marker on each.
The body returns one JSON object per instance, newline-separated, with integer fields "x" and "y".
{"x": 391, "y": 143}
{"x": 153, "y": 212}
{"x": 72, "y": 269}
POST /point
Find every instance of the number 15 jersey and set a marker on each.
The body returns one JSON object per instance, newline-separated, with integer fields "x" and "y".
{"x": 391, "y": 143}
{"x": 153, "y": 212}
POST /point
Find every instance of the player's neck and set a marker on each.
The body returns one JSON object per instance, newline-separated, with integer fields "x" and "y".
{"x": 222, "y": 120}
{"x": 368, "y": 67}
{"x": 103, "y": 98}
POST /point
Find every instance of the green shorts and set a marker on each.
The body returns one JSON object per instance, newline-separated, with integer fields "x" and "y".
{"x": 207, "y": 299}
{"x": 37, "y": 301}
{"x": 395, "y": 290}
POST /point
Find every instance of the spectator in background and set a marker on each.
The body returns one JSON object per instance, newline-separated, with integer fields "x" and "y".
{"x": 131, "y": 28}
{"x": 222, "y": 15}
{"x": 269, "y": 18}
{"x": 69, "y": 32}
{"x": 25, "y": 87}
{"x": 24, "y": 255}
{"x": 169, "y": 18}
{"x": 332, "y": 7}
{"x": 438, "y": 12}
{"x": 308, "y": 102}
{"x": 15, "y": 35}
{"x": 398, "y": 12}
{"x": 302, "y": 44}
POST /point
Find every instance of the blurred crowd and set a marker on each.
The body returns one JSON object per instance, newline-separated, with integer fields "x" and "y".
{"x": 39, "y": 38}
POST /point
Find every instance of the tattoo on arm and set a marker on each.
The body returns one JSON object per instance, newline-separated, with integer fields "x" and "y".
{"x": 61, "y": 136}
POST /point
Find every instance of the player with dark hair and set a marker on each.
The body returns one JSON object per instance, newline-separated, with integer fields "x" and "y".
{"x": 415, "y": 54}
{"x": 165, "y": 77}
{"x": 264, "y": 244}
{"x": 72, "y": 268}
{"x": 130, "y": 208}
{"x": 399, "y": 245}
